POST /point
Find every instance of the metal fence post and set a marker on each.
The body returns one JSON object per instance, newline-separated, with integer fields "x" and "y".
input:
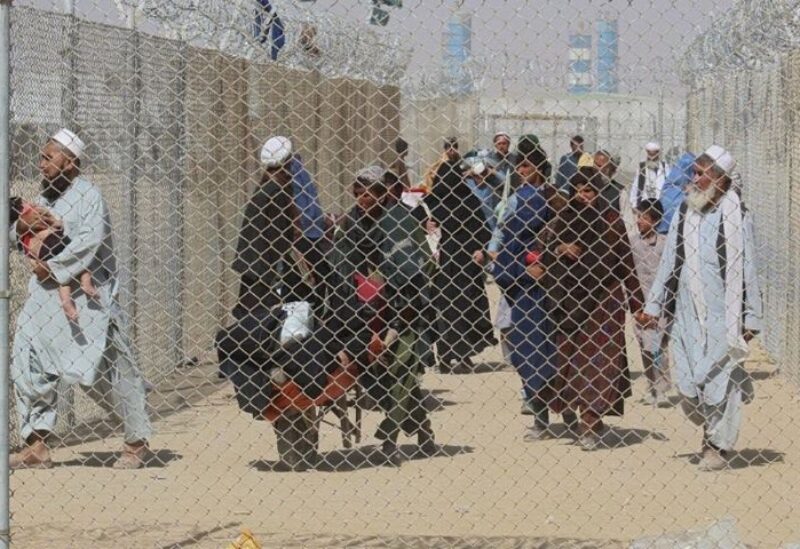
{"x": 5, "y": 172}
{"x": 69, "y": 119}
{"x": 133, "y": 172}
{"x": 176, "y": 219}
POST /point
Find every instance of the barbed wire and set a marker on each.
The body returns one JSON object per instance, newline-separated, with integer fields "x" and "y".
{"x": 755, "y": 33}
{"x": 314, "y": 39}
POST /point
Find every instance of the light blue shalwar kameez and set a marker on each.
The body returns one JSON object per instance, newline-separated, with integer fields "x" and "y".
{"x": 48, "y": 349}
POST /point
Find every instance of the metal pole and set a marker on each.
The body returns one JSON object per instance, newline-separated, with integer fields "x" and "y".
{"x": 69, "y": 7}
{"x": 5, "y": 296}
{"x": 175, "y": 220}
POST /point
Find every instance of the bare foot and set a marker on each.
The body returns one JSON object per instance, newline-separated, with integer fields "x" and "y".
{"x": 70, "y": 310}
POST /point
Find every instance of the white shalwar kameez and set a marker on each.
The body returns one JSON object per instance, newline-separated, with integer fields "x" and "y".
{"x": 706, "y": 344}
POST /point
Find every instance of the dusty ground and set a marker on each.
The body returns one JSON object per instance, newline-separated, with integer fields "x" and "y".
{"x": 488, "y": 488}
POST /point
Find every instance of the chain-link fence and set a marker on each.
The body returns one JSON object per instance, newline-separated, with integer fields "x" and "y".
{"x": 261, "y": 243}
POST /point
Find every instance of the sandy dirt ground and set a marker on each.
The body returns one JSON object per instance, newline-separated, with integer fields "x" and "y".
{"x": 216, "y": 475}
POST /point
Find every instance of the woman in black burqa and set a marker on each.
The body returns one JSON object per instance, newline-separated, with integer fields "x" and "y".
{"x": 464, "y": 325}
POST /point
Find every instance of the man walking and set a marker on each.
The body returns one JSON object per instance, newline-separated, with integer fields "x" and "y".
{"x": 91, "y": 350}
{"x": 707, "y": 282}
{"x": 650, "y": 177}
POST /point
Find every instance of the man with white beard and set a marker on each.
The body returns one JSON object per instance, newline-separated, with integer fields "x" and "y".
{"x": 650, "y": 178}
{"x": 707, "y": 284}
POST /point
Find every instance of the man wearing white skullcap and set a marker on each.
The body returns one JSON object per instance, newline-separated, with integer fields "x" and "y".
{"x": 276, "y": 152}
{"x": 267, "y": 231}
{"x": 272, "y": 276}
{"x": 651, "y": 176}
{"x": 47, "y": 352}
{"x": 707, "y": 283}
{"x": 502, "y": 159}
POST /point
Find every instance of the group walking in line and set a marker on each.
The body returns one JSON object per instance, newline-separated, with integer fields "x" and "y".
{"x": 398, "y": 285}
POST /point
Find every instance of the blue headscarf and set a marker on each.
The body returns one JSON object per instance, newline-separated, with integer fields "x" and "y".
{"x": 674, "y": 191}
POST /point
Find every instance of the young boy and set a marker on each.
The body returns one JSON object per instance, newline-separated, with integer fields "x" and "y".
{"x": 648, "y": 245}
{"x": 44, "y": 240}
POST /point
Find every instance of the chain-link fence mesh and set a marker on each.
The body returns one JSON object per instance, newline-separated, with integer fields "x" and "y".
{"x": 503, "y": 231}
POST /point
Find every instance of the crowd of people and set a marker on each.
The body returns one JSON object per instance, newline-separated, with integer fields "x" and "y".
{"x": 398, "y": 285}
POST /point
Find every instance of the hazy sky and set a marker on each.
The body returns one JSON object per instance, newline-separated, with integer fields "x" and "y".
{"x": 517, "y": 44}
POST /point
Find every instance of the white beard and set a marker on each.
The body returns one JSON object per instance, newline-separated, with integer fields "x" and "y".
{"x": 652, "y": 164}
{"x": 699, "y": 200}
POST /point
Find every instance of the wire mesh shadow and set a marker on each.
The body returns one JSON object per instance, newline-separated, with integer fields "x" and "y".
{"x": 619, "y": 437}
{"x": 156, "y": 460}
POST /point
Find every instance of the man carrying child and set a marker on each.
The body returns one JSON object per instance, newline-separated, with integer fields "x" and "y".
{"x": 89, "y": 349}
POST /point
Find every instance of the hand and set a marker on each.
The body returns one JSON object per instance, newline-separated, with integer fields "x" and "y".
{"x": 38, "y": 219}
{"x": 645, "y": 320}
{"x": 431, "y": 226}
{"x": 572, "y": 251}
{"x": 479, "y": 257}
{"x": 344, "y": 360}
{"x": 535, "y": 271}
{"x": 748, "y": 335}
{"x": 48, "y": 220}
{"x": 375, "y": 348}
{"x": 41, "y": 270}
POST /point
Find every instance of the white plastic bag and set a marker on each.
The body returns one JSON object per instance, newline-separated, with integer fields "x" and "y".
{"x": 298, "y": 323}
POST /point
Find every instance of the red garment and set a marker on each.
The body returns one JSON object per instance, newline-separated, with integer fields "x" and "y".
{"x": 532, "y": 257}
{"x": 25, "y": 239}
{"x": 370, "y": 292}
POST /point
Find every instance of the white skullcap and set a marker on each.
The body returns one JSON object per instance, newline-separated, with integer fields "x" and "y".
{"x": 652, "y": 147}
{"x": 276, "y": 152}
{"x": 70, "y": 141}
{"x": 722, "y": 159}
{"x": 371, "y": 174}
{"x": 501, "y": 134}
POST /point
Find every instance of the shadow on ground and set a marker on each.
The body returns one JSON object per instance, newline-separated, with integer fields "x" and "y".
{"x": 434, "y": 403}
{"x": 450, "y": 542}
{"x": 619, "y": 437}
{"x": 764, "y": 375}
{"x": 614, "y": 437}
{"x": 197, "y": 537}
{"x": 482, "y": 368}
{"x": 158, "y": 459}
{"x": 743, "y": 459}
{"x": 431, "y": 401}
{"x": 366, "y": 457}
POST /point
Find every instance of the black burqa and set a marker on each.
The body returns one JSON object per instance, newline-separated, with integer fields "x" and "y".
{"x": 270, "y": 276}
{"x": 464, "y": 325}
